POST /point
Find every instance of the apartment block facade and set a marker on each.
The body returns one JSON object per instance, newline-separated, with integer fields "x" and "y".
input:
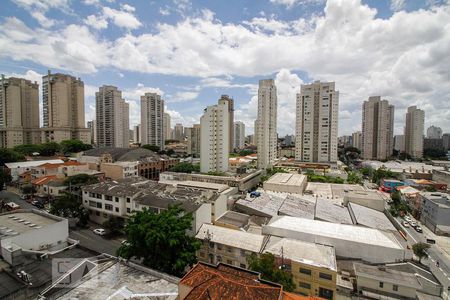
{"x": 414, "y": 126}
{"x": 19, "y": 112}
{"x": 317, "y": 122}
{"x": 193, "y": 140}
{"x": 377, "y": 129}
{"x": 266, "y": 130}
{"x": 152, "y": 113}
{"x": 239, "y": 135}
{"x": 167, "y": 127}
{"x": 63, "y": 109}
{"x": 215, "y": 137}
{"x": 357, "y": 139}
{"x": 112, "y": 118}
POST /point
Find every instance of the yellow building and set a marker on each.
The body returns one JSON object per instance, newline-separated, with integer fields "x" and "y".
{"x": 313, "y": 266}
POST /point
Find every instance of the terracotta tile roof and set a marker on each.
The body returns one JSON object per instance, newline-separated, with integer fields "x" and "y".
{"x": 43, "y": 180}
{"x": 227, "y": 282}
{"x": 292, "y": 296}
{"x": 55, "y": 166}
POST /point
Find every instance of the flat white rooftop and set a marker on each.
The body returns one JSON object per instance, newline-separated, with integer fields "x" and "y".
{"x": 290, "y": 225}
{"x": 230, "y": 237}
{"x": 20, "y": 222}
{"x": 32, "y": 163}
{"x": 287, "y": 179}
{"x": 304, "y": 252}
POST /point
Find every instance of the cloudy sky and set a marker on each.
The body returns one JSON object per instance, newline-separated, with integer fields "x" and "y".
{"x": 191, "y": 52}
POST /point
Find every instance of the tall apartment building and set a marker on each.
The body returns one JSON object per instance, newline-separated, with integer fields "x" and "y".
{"x": 167, "y": 129}
{"x": 239, "y": 135}
{"x": 255, "y": 133}
{"x": 231, "y": 118}
{"x": 266, "y": 131}
{"x": 19, "y": 112}
{"x": 112, "y": 118}
{"x": 152, "y": 114}
{"x": 178, "y": 132}
{"x": 434, "y": 132}
{"x": 446, "y": 141}
{"x": 63, "y": 108}
{"x": 317, "y": 122}
{"x": 357, "y": 139}
{"x": 92, "y": 126}
{"x": 377, "y": 129}
{"x": 215, "y": 137}
{"x": 399, "y": 143}
{"x": 137, "y": 134}
{"x": 193, "y": 140}
{"x": 414, "y": 126}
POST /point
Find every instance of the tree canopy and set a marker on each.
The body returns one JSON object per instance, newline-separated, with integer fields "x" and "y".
{"x": 324, "y": 178}
{"x": 185, "y": 167}
{"x": 161, "y": 240}
{"x": 419, "y": 250}
{"x": 382, "y": 173}
{"x": 49, "y": 149}
{"x": 266, "y": 265}
{"x": 73, "y": 146}
{"x": 80, "y": 179}
{"x": 27, "y": 149}
{"x": 4, "y": 178}
{"x": 8, "y": 155}
{"x": 68, "y": 206}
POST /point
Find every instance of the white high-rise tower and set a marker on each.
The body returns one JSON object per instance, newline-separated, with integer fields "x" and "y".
{"x": 152, "y": 112}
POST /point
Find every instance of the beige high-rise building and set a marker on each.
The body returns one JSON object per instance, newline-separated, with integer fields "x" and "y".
{"x": 317, "y": 122}
{"x": 399, "y": 143}
{"x": 231, "y": 118}
{"x": 255, "y": 133}
{"x": 215, "y": 137}
{"x": 178, "y": 132}
{"x": 19, "y": 112}
{"x": 239, "y": 135}
{"x": 357, "y": 139}
{"x": 152, "y": 114}
{"x": 193, "y": 140}
{"x": 377, "y": 129}
{"x": 167, "y": 127}
{"x": 414, "y": 126}
{"x": 266, "y": 132}
{"x": 112, "y": 118}
{"x": 63, "y": 107}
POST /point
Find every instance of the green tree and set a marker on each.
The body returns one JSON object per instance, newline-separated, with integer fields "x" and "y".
{"x": 161, "y": 240}
{"x": 396, "y": 197}
{"x": 28, "y": 189}
{"x": 266, "y": 265}
{"x": 353, "y": 178}
{"x": 73, "y": 146}
{"x": 49, "y": 149}
{"x": 8, "y": 155}
{"x": 185, "y": 167}
{"x": 419, "y": 250}
{"x": 5, "y": 178}
{"x": 324, "y": 178}
{"x": 382, "y": 173}
{"x": 69, "y": 206}
{"x": 80, "y": 179}
{"x": 27, "y": 149}
{"x": 153, "y": 148}
{"x": 114, "y": 225}
{"x": 245, "y": 152}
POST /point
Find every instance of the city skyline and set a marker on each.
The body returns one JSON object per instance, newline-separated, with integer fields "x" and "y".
{"x": 188, "y": 88}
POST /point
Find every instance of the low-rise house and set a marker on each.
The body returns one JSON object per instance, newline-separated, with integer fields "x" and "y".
{"x": 206, "y": 281}
{"x": 424, "y": 184}
{"x": 120, "y": 198}
{"x": 61, "y": 169}
{"x": 389, "y": 185}
{"x": 120, "y": 170}
{"x": 17, "y": 168}
{"x": 435, "y": 213}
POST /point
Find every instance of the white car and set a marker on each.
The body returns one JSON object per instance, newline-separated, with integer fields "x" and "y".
{"x": 405, "y": 224}
{"x": 407, "y": 218}
{"x": 413, "y": 224}
{"x": 99, "y": 231}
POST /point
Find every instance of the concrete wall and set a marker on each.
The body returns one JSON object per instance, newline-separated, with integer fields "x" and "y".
{"x": 373, "y": 285}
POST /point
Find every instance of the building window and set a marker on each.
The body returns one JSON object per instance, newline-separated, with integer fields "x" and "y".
{"x": 304, "y": 285}
{"x": 128, "y": 210}
{"x": 99, "y": 205}
{"x": 305, "y": 271}
{"x": 325, "y": 276}
{"x": 92, "y": 203}
{"x": 202, "y": 254}
{"x": 325, "y": 293}
{"x": 117, "y": 209}
{"x": 243, "y": 266}
{"x": 242, "y": 253}
{"x": 128, "y": 200}
{"x": 229, "y": 261}
{"x": 117, "y": 199}
{"x": 108, "y": 207}
{"x": 395, "y": 288}
{"x": 381, "y": 284}
{"x": 109, "y": 198}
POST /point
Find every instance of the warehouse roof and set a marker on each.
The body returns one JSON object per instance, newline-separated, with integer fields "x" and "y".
{"x": 120, "y": 188}
{"x": 387, "y": 275}
{"x": 20, "y": 221}
{"x": 264, "y": 205}
{"x": 304, "y": 252}
{"x": 297, "y": 206}
{"x": 32, "y": 163}
{"x": 332, "y": 212}
{"x": 368, "y": 217}
{"x": 292, "y": 225}
{"x": 230, "y": 237}
{"x": 287, "y": 179}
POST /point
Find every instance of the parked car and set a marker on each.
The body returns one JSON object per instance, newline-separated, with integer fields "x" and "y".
{"x": 38, "y": 204}
{"x": 23, "y": 197}
{"x": 418, "y": 228}
{"x": 413, "y": 224}
{"x": 100, "y": 231}
{"x": 430, "y": 241}
{"x": 405, "y": 224}
{"x": 125, "y": 243}
{"x": 408, "y": 218}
